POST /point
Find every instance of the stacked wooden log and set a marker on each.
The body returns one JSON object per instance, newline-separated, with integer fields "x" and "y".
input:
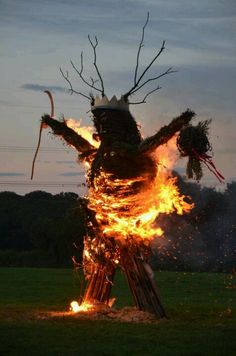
{"x": 141, "y": 282}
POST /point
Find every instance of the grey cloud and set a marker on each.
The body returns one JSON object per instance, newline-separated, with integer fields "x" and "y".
{"x": 65, "y": 162}
{"x": 72, "y": 174}
{"x": 39, "y": 87}
{"x": 11, "y": 174}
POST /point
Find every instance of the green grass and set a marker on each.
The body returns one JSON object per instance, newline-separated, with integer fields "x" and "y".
{"x": 200, "y": 306}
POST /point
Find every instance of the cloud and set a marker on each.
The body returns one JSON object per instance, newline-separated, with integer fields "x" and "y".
{"x": 65, "y": 162}
{"x": 39, "y": 87}
{"x": 72, "y": 174}
{"x": 11, "y": 174}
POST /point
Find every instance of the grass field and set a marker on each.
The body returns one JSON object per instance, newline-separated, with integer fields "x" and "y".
{"x": 201, "y": 309}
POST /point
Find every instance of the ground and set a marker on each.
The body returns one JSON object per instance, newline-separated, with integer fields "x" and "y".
{"x": 201, "y": 316}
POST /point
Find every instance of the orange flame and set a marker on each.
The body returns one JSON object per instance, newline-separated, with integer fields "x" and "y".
{"x": 127, "y": 215}
{"x": 123, "y": 215}
{"x": 85, "y": 131}
{"x": 84, "y": 307}
{"x": 136, "y": 215}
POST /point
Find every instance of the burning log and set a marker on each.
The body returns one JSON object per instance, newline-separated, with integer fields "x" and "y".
{"x": 129, "y": 186}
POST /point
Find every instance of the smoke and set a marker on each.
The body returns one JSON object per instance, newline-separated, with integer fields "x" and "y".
{"x": 204, "y": 239}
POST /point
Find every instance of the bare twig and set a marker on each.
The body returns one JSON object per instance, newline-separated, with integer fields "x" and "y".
{"x": 94, "y": 46}
{"x": 136, "y": 84}
{"x": 93, "y": 81}
{"x": 168, "y": 71}
{"x": 139, "y": 49}
{"x": 151, "y": 63}
{"x": 144, "y": 99}
{"x": 79, "y": 72}
{"x": 72, "y": 90}
{"x": 137, "y": 80}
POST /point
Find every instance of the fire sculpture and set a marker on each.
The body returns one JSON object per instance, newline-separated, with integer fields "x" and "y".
{"x": 129, "y": 185}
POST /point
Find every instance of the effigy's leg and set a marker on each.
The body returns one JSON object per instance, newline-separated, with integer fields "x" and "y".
{"x": 141, "y": 282}
{"x": 99, "y": 268}
{"x": 100, "y": 283}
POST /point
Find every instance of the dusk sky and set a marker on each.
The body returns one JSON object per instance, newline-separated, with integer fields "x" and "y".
{"x": 38, "y": 37}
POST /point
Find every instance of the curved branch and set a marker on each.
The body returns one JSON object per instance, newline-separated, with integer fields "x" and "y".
{"x": 51, "y": 101}
{"x": 40, "y": 132}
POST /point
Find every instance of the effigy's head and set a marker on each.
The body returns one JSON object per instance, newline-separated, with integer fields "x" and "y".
{"x": 113, "y": 120}
{"x": 120, "y": 139}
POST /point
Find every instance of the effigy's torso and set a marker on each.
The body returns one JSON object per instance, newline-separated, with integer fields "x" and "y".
{"x": 119, "y": 155}
{"x": 120, "y": 174}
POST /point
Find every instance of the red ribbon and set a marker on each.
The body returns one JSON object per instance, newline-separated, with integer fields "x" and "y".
{"x": 207, "y": 160}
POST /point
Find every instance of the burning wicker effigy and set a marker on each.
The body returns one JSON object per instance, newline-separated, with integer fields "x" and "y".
{"x": 129, "y": 184}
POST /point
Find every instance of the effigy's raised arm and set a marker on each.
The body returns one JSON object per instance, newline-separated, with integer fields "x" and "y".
{"x": 166, "y": 132}
{"x": 60, "y": 129}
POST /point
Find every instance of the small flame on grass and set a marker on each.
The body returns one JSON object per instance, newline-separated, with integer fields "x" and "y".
{"x": 84, "y": 307}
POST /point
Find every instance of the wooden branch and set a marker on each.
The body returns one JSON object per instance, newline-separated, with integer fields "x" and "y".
{"x": 144, "y": 99}
{"x": 139, "y": 49}
{"x": 166, "y": 132}
{"x": 168, "y": 71}
{"x": 93, "y": 81}
{"x": 94, "y": 46}
{"x": 136, "y": 85}
{"x": 66, "y": 77}
{"x": 79, "y": 72}
{"x": 70, "y": 136}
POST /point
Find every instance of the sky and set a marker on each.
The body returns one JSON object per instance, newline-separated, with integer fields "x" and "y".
{"x": 39, "y": 37}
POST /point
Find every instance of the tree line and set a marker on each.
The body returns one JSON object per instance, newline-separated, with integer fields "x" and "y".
{"x": 44, "y": 230}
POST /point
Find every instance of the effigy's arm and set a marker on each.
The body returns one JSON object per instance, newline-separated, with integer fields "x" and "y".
{"x": 166, "y": 132}
{"x": 60, "y": 129}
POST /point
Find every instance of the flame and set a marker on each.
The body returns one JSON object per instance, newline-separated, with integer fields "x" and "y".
{"x": 84, "y": 307}
{"x": 123, "y": 215}
{"x": 85, "y": 131}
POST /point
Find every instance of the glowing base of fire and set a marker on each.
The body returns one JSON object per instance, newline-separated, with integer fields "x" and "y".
{"x": 84, "y": 307}
{"x": 75, "y": 307}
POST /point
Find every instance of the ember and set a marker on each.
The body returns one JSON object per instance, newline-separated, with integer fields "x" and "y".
{"x": 130, "y": 185}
